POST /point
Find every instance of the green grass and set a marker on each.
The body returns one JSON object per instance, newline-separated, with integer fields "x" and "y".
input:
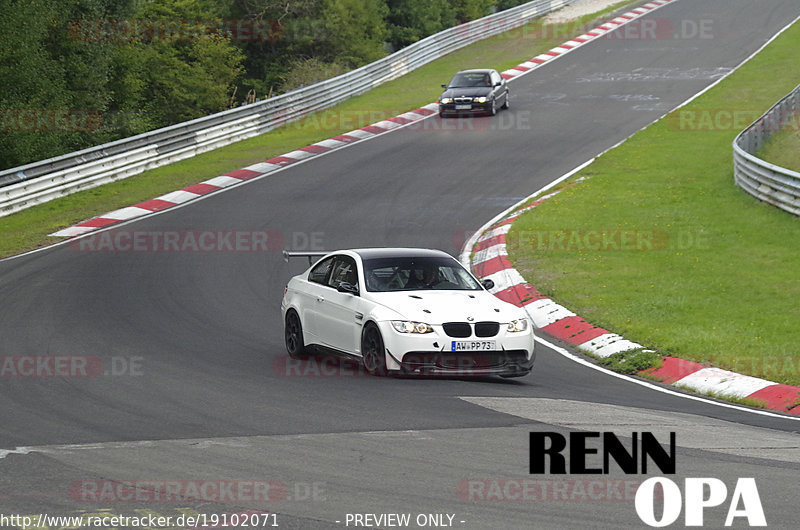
{"x": 29, "y": 228}
{"x": 783, "y": 149}
{"x": 631, "y": 361}
{"x": 713, "y": 278}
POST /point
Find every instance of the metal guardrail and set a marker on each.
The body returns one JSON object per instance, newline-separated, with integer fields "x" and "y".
{"x": 25, "y": 186}
{"x": 768, "y": 182}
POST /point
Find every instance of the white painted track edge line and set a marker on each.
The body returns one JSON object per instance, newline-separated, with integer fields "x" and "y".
{"x": 641, "y": 382}
{"x": 546, "y": 58}
{"x": 466, "y": 251}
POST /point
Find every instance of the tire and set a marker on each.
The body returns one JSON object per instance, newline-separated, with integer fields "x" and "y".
{"x": 293, "y": 335}
{"x": 506, "y": 103}
{"x": 493, "y": 108}
{"x": 372, "y": 351}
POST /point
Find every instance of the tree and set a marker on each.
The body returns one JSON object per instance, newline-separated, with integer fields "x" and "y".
{"x": 354, "y": 31}
{"x": 412, "y": 20}
{"x": 466, "y": 10}
{"x": 296, "y": 25}
{"x": 78, "y": 56}
{"x": 49, "y": 79}
{"x": 187, "y": 74}
{"x": 63, "y": 61}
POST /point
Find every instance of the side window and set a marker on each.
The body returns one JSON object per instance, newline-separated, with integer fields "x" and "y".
{"x": 344, "y": 270}
{"x": 496, "y": 78}
{"x": 319, "y": 274}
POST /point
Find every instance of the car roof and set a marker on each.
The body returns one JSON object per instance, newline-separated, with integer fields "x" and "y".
{"x": 475, "y": 71}
{"x": 372, "y": 253}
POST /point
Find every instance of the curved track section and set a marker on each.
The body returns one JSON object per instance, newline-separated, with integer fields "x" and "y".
{"x": 203, "y": 388}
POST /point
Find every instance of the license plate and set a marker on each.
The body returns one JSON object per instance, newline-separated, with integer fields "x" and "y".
{"x": 463, "y": 107}
{"x": 472, "y": 345}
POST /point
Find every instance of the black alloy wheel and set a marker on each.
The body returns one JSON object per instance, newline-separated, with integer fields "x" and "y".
{"x": 293, "y": 332}
{"x": 372, "y": 351}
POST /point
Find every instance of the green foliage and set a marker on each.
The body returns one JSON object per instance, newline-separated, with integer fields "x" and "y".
{"x": 174, "y": 79}
{"x": 508, "y": 4}
{"x": 354, "y": 31}
{"x": 466, "y": 10}
{"x": 71, "y": 58}
{"x": 304, "y": 72}
{"x": 185, "y": 82}
{"x": 45, "y": 72}
{"x": 76, "y": 58}
{"x": 28, "y": 78}
{"x": 412, "y": 20}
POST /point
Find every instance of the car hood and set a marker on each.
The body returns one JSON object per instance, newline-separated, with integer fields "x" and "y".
{"x": 472, "y": 91}
{"x": 437, "y": 307}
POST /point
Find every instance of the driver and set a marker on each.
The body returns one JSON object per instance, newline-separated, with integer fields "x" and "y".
{"x": 430, "y": 277}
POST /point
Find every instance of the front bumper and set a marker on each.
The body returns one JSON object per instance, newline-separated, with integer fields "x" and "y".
{"x": 507, "y": 363}
{"x": 431, "y": 354}
{"x": 480, "y": 108}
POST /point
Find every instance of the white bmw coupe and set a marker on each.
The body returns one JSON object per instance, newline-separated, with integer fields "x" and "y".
{"x": 404, "y": 311}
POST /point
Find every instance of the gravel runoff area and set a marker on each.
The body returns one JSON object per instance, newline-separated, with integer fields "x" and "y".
{"x": 578, "y": 9}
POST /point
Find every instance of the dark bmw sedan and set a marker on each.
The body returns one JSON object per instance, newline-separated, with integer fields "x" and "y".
{"x": 471, "y": 91}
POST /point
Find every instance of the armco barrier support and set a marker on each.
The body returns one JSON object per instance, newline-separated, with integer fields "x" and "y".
{"x": 768, "y": 182}
{"x": 25, "y": 186}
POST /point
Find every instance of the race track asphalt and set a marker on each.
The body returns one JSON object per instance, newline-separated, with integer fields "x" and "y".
{"x": 207, "y": 391}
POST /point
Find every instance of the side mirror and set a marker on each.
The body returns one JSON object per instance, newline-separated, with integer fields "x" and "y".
{"x": 444, "y": 87}
{"x": 346, "y": 287}
{"x": 499, "y": 83}
{"x": 487, "y": 283}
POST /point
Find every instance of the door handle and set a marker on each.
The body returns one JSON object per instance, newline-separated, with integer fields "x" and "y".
{"x": 320, "y": 299}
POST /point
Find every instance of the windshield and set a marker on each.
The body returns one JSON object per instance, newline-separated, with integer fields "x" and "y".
{"x": 415, "y": 274}
{"x": 468, "y": 80}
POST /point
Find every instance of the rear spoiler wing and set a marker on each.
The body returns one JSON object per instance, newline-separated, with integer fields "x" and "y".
{"x": 288, "y": 254}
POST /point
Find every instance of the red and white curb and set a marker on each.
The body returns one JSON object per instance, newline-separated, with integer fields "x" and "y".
{"x": 250, "y": 172}
{"x": 589, "y": 36}
{"x": 262, "y": 168}
{"x": 487, "y": 255}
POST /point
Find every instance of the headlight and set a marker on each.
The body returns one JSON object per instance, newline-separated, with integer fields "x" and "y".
{"x": 481, "y": 99}
{"x": 516, "y": 326}
{"x": 446, "y": 101}
{"x": 404, "y": 326}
